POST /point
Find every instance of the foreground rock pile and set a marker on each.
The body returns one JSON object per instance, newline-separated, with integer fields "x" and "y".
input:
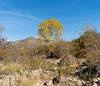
{"x": 12, "y": 80}
{"x": 16, "y": 75}
{"x": 39, "y": 77}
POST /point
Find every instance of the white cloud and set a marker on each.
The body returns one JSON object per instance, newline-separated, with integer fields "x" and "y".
{"x": 20, "y": 15}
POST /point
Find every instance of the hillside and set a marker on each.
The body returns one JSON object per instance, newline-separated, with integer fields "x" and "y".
{"x": 33, "y": 62}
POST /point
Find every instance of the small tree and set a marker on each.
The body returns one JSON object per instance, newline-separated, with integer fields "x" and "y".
{"x": 50, "y": 30}
{"x": 2, "y": 44}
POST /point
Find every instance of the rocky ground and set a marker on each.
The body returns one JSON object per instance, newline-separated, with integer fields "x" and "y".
{"x": 16, "y": 75}
{"x": 39, "y": 78}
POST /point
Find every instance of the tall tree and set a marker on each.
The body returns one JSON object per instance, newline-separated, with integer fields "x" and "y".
{"x": 50, "y": 30}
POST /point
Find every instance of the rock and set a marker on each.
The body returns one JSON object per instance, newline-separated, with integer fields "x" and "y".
{"x": 79, "y": 83}
{"x": 98, "y": 83}
{"x": 55, "y": 80}
{"x": 69, "y": 59}
{"x": 95, "y": 84}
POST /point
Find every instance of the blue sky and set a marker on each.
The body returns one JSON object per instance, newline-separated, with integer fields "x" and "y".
{"x": 21, "y": 17}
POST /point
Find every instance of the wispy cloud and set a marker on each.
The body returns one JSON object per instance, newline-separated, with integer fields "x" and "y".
{"x": 20, "y": 15}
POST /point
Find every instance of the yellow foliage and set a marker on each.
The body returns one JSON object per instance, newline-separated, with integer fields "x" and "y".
{"x": 50, "y": 29}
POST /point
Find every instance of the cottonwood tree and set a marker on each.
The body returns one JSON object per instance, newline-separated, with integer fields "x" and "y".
{"x": 50, "y": 30}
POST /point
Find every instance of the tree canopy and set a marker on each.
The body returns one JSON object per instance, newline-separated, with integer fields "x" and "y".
{"x": 50, "y": 29}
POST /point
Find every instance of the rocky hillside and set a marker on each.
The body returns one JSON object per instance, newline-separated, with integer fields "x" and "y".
{"x": 32, "y": 62}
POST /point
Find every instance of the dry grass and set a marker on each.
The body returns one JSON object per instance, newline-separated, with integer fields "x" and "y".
{"x": 33, "y": 81}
